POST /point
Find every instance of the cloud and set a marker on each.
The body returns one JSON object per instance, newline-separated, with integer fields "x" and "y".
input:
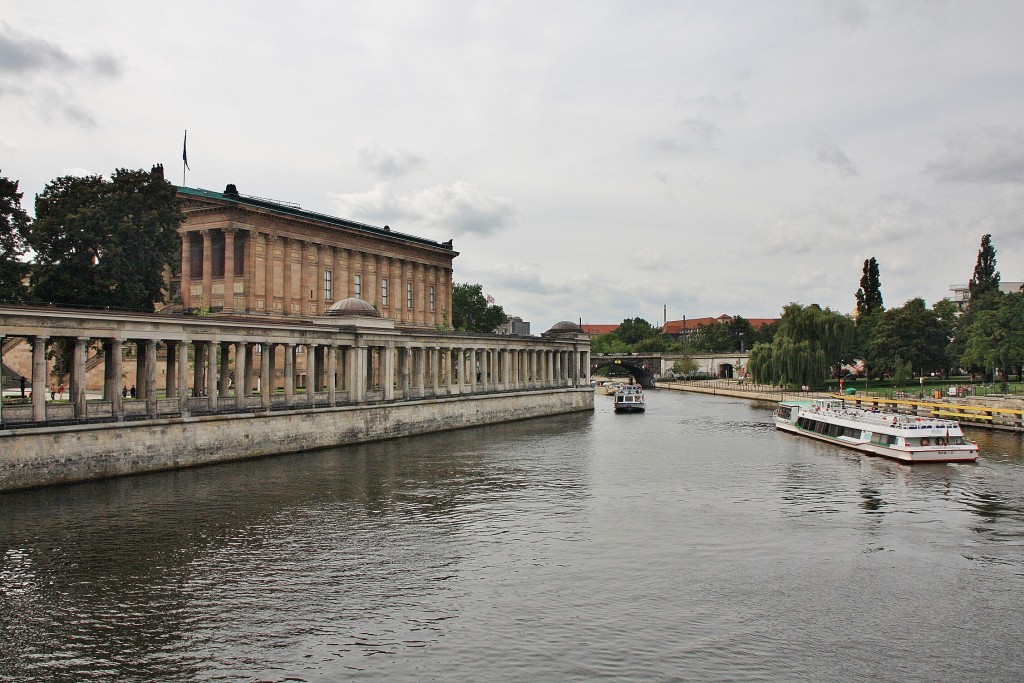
{"x": 21, "y": 54}
{"x": 47, "y": 77}
{"x": 987, "y": 154}
{"x": 386, "y": 163}
{"x": 829, "y": 153}
{"x": 694, "y": 134}
{"x": 459, "y": 209}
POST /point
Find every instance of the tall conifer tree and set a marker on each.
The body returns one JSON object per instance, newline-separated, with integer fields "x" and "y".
{"x": 986, "y": 278}
{"x": 869, "y": 296}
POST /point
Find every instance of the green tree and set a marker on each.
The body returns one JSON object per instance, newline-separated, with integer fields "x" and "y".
{"x": 105, "y": 243}
{"x": 472, "y": 313}
{"x": 634, "y": 330}
{"x": 910, "y": 334}
{"x": 810, "y": 344}
{"x": 995, "y": 338}
{"x": 14, "y": 223}
{"x": 685, "y": 366}
{"x": 869, "y": 295}
{"x": 985, "y": 283}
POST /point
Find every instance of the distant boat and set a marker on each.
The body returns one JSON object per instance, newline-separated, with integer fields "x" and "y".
{"x": 607, "y": 388}
{"x": 629, "y": 398}
{"x": 906, "y": 438}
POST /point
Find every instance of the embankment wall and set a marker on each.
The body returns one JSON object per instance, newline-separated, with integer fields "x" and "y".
{"x": 60, "y": 455}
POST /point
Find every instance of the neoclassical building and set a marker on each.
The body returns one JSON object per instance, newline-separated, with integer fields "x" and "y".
{"x": 247, "y": 255}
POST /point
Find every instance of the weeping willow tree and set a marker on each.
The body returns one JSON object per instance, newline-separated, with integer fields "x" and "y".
{"x": 809, "y": 344}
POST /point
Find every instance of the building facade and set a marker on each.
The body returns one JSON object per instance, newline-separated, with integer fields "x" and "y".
{"x": 247, "y": 255}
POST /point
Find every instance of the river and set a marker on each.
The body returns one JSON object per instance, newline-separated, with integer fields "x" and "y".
{"x": 693, "y": 542}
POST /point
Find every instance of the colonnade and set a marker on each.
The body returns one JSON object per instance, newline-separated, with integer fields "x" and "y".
{"x": 250, "y": 270}
{"x": 237, "y": 368}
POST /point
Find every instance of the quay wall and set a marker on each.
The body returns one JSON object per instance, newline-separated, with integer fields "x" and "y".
{"x": 49, "y": 456}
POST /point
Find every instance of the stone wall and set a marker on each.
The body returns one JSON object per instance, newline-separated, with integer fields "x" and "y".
{"x": 60, "y": 455}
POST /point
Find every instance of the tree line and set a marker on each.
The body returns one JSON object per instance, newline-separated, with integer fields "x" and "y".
{"x": 986, "y": 338}
{"x": 94, "y": 242}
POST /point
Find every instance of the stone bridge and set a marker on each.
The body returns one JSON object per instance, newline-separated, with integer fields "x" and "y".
{"x": 648, "y": 367}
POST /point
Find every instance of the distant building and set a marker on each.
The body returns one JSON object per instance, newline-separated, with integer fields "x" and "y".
{"x": 253, "y": 256}
{"x": 514, "y": 325}
{"x": 682, "y": 329}
{"x": 962, "y": 293}
{"x": 598, "y": 329}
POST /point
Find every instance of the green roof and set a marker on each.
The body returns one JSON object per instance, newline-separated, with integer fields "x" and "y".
{"x": 298, "y": 212}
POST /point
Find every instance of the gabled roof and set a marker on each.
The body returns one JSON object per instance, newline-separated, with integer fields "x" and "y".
{"x": 599, "y": 329}
{"x": 232, "y": 197}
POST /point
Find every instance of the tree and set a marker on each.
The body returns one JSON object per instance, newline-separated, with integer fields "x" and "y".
{"x": 985, "y": 282}
{"x": 634, "y": 330}
{"x": 14, "y": 224}
{"x": 910, "y": 334}
{"x": 105, "y": 243}
{"x": 810, "y": 344}
{"x": 869, "y": 296}
{"x": 472, "y": 313}
{"x": 995, "y": 338}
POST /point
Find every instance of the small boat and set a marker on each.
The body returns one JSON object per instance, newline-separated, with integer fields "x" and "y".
{"x": 906, "y": 438}
{"x": 629, "y": 398}
{"x": 607, "y": 388}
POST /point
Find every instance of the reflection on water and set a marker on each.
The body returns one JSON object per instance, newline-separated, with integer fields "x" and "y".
{"x": 690, "y": 542}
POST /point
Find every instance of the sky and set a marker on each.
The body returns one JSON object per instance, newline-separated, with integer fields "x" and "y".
{"x": 592, "y": 161}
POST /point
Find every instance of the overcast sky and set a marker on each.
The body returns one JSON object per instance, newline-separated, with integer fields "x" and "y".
{"x": 592, "y": 160}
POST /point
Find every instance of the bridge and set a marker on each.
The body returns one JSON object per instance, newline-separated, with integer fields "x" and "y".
{"x": 648, "y": 367}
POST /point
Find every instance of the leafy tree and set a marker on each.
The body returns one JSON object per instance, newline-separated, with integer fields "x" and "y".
{"x": 869, "y": 296}
{"x": 472, "y": 313}
{"x": 995, "y": 338}
{"x": 105, "y": 243}
{"x": 810, "y": 344}
{"x": 685, "y": 366}
{"x": 730, "y": 336}
{"x": 910, "y": 334}
{"x": 985, "y": 282}
{"x": 634, "y": 330}
{"x": 14, "y": 224}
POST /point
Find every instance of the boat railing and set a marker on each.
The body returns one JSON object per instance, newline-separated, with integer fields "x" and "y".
{"x": 889, "y": 419}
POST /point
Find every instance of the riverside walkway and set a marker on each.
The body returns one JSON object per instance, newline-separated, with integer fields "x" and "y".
{"x": 993, "y": 412}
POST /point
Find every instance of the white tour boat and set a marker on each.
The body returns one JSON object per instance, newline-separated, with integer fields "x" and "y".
{"x": 629, "y": 398}
{"x": 902, "y": 437}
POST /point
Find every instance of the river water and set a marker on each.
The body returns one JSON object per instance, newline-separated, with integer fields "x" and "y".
{"x": 692, "y": 542}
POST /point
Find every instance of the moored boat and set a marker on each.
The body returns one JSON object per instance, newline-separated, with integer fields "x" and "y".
{"x": 629, "y": 398}
{"x": 902, "y": 437}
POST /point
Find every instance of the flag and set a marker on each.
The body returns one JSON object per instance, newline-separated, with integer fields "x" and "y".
{"x": 184, "y": 151}
{"x": 490, "y": 299}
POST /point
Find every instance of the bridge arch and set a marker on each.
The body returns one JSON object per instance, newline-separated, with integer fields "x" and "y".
{"x": 641, "y": 368}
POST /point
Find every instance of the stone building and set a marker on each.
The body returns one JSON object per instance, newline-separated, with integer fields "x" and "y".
{"x": 248, "y": 255}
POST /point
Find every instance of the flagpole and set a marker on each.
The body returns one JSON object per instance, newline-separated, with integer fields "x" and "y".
{"x": 184, "y": 158}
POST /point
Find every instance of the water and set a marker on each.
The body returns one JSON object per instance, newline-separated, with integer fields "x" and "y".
{"x": 692, "y": 542}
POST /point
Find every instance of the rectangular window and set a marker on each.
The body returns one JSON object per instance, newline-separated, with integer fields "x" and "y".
{"x": 408, "y": 295}
{"x": 357, "y": 286}
{"x": 384, "y": 292}
{"x": 328, "y": 292}
{"x": 239, "y": 257}
{"x": 431, "y": 297}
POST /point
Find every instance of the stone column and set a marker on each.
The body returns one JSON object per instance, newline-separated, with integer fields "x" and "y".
{"x": 313, "y": 368}
{"x": 241, "y": 373}
{"x": 420, "y": 368}
{"x": 585, "y": 359}
{"x": 289, "y": 374}
{"x": 170, "y": 376}
{"x": 183, "y": 374}
{"x": 77, "y": 384}
{"x": 186, "y": 271}
{"x": 150, "y": 377}
{"x": 269, "y": 242}
{"x": 39, "y": 385}
{"x": 357, "y": 372}
{"x": 250, "y": 367}
{"x": 115, "y": 359}
{"x": 211, "y": 373}
{"x": 286, "y": 271}
{"x": 207, "y": 268}
{"x": 229, "y": 269}
{"x": 387, "y": 371}
{"x": 249, "y": 266}
{"x": 199, "y": 361}
{"x": 266, "y": 375}
{"x": 332, "y": 371}
{"x": 225, "y": 368}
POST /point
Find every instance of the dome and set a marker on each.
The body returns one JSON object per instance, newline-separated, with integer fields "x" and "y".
{"x": 352, "y": 307}
{"x": 565, "y": 327}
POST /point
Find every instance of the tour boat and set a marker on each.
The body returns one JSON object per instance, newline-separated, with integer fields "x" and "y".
{"x": 629, "y": 398}
{"x": 906, "y": 438}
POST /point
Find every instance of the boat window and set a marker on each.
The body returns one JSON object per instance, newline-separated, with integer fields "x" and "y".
{"x": 833, "y": 430}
